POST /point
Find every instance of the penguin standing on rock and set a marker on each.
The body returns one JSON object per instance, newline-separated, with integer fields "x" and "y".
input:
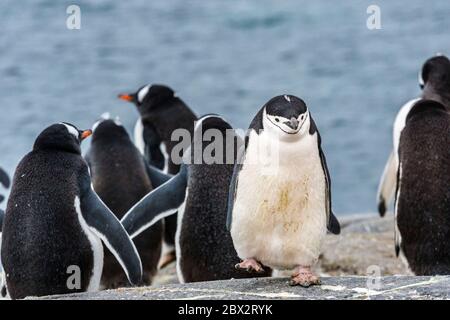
{"x": 434, "y": 80}
{"x": 161, "y": 112}
{"x": 121, "y": 177}
{"x": 54, "y": 222}
{"x": 205, "y": 249}
{"x": 422, "y": 201}
{"x": 280, "y": 196}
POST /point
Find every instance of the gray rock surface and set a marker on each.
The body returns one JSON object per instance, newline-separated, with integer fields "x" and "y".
{"x": 346, "y": 287}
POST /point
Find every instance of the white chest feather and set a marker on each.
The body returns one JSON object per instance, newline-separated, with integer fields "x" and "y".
{"x": 279, "y": 215}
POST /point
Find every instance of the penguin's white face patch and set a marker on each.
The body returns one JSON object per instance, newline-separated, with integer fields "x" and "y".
{"x": 142, "y": 93}
{"x": 420, "y": 79}
{"x": 72, "y": 130}
{"x": 279, "y": 124}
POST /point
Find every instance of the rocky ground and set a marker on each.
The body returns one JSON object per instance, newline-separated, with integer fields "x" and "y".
{"x": 347, "y": 267}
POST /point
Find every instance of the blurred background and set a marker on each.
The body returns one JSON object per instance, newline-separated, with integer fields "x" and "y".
{"x": 227, "y": 57}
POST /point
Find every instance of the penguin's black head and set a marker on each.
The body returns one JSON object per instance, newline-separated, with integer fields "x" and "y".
{"x": 61, "y": 136}
{"x": 149, "y": 97}
{"x": 286, "y": 115}
{"x": 109, "y": 129}
{"x": 436, "y": 72}
{"x": 216, "y": 138}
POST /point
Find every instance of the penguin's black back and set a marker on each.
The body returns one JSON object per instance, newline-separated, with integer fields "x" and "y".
{"x": 424, "y": 198}
{"x": 168, "y": 116}
{"x": 42, "y": 236}
{"x": 120, "y": 179}
{"x": 207, "y": 251}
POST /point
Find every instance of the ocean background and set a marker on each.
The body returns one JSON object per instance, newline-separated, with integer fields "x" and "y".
{"x": 227, "y": 57}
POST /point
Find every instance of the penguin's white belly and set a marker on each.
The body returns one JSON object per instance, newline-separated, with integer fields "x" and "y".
{"x": 280, "y": 218}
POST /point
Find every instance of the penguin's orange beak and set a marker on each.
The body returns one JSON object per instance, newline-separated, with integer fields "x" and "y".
{"x": 85, "y": 134}
{"x": 126, "y": 97}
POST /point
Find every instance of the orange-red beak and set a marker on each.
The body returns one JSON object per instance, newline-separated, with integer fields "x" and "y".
{"x": 126, "y": 97}
{"x": 85, "y": 134}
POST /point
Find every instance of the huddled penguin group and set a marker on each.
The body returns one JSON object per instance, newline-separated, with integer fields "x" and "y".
{"x": 262, "y": 203}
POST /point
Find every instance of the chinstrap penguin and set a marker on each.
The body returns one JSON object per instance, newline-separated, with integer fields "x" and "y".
{"x": 54, "y": 222}
{"x": 280, "y": 198}
{"x": 434, "y": 80}
{"x": 161, "y": 112}
{"x": 120, "y": 176}
{"x": 422, "y": 200}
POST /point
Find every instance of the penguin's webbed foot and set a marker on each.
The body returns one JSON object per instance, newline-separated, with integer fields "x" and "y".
{"x": 167, "y": 259}
{"x": 250, "y": 265}
{"x": 303, "y": 276}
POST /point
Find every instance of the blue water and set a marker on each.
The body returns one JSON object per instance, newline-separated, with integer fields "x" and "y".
{"x": 227, "y": 57}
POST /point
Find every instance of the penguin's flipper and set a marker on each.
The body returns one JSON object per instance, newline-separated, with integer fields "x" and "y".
{"x": 157, "y": 177}
{"x": 332, "y": 222}
{"x": 233, "y": 185}
{"x": 160, "y": 203}
{"x": 386, "y": 188}
{"x": 148, "y": 143}
{"x": 397, "y": 235}
{"x": 4, "y": 178}
{"x": 108, "y": 228}
{"x": 2, "y": 214}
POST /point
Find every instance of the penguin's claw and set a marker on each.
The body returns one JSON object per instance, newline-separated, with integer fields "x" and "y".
{"x": 250, "y": 265}
{"x": 304, "y": 277}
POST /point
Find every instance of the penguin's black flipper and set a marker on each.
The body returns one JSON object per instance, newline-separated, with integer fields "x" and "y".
{"x": 2, "y": 214}
{"x": 233, "y": 185}
{"x": 160, "y": 203}
{"x": 332, "y": 222}
{"x": 157, "y": 177}
{"x": 4, "y": 178}
{"x": 108, "y": 228}
{"x": 152, "y": 147}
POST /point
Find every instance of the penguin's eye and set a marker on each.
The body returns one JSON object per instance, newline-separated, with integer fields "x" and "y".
{"x": 302, "y": 117}
{"x": 277, "y": 119}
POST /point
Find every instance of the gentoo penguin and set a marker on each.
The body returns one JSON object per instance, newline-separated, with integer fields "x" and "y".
{"x": 161, "y": 112}
{"x": 205, "y": 249}
{"x": 280, "y": 197}
{"x": 434, "y": 80}
{"x": 120, "y": 178}
{"x": 422, "y": 201}
{"x": 54, "y": 222}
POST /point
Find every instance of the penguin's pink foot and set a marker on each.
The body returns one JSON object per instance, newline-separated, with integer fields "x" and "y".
{"x": 250, "y": 265}
{"x": 167, "y": 259}
{"x": 304, "y": 277}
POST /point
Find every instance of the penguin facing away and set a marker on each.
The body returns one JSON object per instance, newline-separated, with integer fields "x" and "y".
{"x": 434, "y": 80}
{"x": 161, "y": 112}
{"x": 205, "y": 249}
{"x": 280, "y": 202}
{"x": 54, "y": 222}
{"x": 121, "y": 178}
{"x": 422, "y": 202}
